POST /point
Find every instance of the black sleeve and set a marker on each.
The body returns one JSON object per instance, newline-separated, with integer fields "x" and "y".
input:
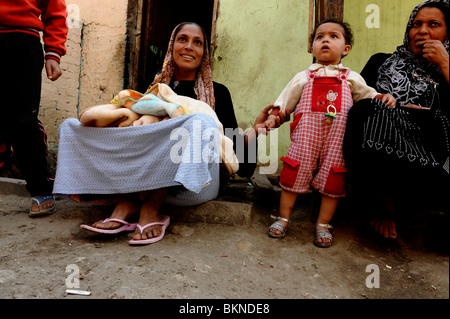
{"x": 224, "y": 106}
{"x": 225, "y": 112}
{"x": 370, "y": 70}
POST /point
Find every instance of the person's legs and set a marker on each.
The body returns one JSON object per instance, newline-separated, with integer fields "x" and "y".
{"x": 22, "y": 65}
{"x": 35, "y": 169}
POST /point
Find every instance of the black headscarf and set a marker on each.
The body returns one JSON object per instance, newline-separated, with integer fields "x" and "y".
{"x": 410, "y": 78}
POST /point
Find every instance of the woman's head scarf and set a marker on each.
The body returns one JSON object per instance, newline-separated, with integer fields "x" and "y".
{"x": 203, "y": 82}
{"x": 410, "y": 78}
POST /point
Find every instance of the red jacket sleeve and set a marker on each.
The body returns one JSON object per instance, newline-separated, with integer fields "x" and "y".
{"x": 54, "y": 15}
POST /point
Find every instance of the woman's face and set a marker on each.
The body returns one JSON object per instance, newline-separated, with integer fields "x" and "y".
{"x": 429, "y": 24}
{"x": 188, "y": 51}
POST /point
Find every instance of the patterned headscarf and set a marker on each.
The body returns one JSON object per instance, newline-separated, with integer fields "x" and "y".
{"x": 203, "y": 82}
{"x": 410, "y": 78}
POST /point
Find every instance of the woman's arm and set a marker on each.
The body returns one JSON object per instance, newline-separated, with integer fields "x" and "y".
{"x": 226, "y": 115}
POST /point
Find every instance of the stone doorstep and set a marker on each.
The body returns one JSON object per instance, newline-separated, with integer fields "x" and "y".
{"x": 13, "y": 186}
{"x": 214, "y": 212}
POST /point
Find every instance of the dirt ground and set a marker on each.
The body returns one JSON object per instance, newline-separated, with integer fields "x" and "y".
{"x": 42, "y": 257}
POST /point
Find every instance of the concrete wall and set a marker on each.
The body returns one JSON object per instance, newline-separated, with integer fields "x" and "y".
{"x": 93, "y": 67}
{"x": 378, "y": 26}
{"x": 261, "y": 45}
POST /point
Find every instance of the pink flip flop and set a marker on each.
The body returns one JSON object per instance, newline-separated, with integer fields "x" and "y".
{"x": 165, "y": 221}
{"x": 126, "y": 227}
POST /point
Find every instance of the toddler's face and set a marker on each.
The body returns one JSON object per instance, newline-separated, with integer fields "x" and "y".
{"x": 329, "y": 44}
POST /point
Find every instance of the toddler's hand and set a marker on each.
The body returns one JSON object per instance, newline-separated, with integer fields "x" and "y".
{"x": 270, "y": 123}
{"x": 389, "y": 100}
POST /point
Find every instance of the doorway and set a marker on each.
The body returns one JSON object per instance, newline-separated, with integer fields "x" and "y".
{"x": 149, "y": 26}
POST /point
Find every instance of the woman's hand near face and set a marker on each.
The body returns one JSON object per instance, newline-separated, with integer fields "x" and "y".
{"x": 435, "y": 52}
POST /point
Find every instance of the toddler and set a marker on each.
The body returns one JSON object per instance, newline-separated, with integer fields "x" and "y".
{"x": 320, "y": 97}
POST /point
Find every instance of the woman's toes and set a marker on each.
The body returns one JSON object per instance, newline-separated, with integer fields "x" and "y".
{"x": 147, "y": 233}
{"x": 108, "y": 225}
{"x": 385, "y": 228}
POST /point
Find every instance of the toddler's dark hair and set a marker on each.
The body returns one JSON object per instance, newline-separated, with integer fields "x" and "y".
{"x": 348, "y": 33}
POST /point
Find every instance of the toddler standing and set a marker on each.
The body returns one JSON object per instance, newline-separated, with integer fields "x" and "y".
{"x": 321, "y": 97}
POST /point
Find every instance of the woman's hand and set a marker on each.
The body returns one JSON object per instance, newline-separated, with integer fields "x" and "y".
{"x": 435, "y": 52}
{"x": 260, "y": 121}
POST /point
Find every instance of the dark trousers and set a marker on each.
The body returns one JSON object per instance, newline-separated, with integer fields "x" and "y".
{"x": 22, "y": 61}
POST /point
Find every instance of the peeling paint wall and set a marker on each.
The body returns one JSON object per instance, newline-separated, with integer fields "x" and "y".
{"x": 378, "y": 26}
{"x": 93, "y": 68}
{"x": 261, "y": 45}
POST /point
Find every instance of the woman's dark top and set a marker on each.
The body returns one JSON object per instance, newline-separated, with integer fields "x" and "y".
{"x": 225, "y": 113}
{"x": 370, "y": 74}
{"x": 370, "y": 70}
{"x": 374, "y": 168}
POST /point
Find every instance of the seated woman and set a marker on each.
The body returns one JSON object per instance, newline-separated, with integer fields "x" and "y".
{"x": 399, "y": 158}
{"x": 135, "y": 165}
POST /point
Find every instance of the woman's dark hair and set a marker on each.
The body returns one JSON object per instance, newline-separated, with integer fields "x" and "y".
{"x": 348, "y": 33}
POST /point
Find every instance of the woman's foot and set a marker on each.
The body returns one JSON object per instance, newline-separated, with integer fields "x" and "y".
{"x": 148, "y": 232}
{"x": 149, "y": 213}
{"x": 385, "y": 227}
{"x": 124, "y": 209}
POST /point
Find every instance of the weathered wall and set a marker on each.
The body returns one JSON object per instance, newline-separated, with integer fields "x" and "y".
{"x": 261, "y": 45}
{"x": 93, "y": 68}
{"x": 378, "y": 26}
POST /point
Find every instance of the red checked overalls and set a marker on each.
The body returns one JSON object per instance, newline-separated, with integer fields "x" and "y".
{"x": 315, "y": 158}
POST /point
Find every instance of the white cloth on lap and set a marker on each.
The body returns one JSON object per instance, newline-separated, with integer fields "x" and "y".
{"x": 182, "y": 151}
